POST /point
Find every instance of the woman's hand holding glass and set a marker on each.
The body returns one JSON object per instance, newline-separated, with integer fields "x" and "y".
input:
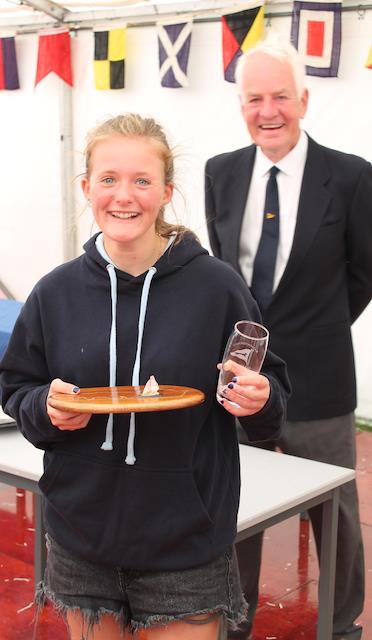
{"x": 247, "y": 393}
{"x": 65, "y": 420}
{"x": 241, "y": 388}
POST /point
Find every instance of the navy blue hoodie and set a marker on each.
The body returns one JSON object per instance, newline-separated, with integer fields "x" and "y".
{"x": 176, "y": 506}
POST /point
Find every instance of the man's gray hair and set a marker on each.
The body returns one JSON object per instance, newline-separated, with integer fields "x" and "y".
{"x": 277, "y": 48}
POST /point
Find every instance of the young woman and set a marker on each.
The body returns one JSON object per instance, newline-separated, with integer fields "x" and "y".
{"x": 140, "y": 510}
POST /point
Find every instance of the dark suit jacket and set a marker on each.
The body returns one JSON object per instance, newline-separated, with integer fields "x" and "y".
{"x": 328, "y": 278}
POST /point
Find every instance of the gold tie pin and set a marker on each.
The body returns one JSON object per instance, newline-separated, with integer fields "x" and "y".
{"x": 270, "y": 216}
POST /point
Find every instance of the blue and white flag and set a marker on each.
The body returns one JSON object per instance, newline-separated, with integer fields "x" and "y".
{"x": 316, "y": 33}
{"x": 174, "y": 47}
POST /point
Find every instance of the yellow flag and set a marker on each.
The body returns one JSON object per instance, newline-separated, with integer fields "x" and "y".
{"x": 369, "y": 59}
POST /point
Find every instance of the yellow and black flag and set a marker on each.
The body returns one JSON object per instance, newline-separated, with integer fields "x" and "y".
{"x": 109, "y": 59}
{"x": 368, "y": 63}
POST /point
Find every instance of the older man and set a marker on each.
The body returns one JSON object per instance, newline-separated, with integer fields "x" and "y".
{"x": 295, "y": 219}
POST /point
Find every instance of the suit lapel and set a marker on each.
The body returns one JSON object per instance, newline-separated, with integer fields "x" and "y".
{"x": 314, "y": 200}
{"x": 238, "y": 185}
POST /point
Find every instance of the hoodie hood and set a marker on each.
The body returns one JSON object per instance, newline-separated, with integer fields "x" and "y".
{"x": 174, "y": 257}
{"x": 177, "y": 255}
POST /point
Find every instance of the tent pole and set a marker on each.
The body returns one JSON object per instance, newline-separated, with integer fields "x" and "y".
{"x": 69, "y": 230}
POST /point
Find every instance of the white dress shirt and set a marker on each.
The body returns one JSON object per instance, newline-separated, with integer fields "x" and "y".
{"x": 289, "y": 181}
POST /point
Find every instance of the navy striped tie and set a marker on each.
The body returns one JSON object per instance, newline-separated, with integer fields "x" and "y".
{"x": 265, "y": 260}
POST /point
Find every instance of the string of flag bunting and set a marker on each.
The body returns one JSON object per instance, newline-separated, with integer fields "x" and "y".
{"x": 315, "y": 32}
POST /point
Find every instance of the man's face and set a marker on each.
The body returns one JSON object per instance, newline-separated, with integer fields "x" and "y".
{"x": 270, "y": 105}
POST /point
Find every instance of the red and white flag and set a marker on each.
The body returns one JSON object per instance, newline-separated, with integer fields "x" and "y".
{"x": 316, "y": 33}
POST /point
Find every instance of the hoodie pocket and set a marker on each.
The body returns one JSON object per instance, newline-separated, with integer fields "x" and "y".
{"x": 52, "y": 466}
{"x": 127, "y": 516}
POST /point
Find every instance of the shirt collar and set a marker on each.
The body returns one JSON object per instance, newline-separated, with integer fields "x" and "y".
{"x": 289, "y": 164}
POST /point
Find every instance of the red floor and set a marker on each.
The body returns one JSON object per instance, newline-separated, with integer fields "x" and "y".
{"x": 287, "y": 609}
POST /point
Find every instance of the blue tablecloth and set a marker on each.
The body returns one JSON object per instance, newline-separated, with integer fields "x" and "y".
{"x": 9, "y": 311}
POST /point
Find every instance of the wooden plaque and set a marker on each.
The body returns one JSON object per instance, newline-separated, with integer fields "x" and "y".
{"x": 126, "y": 399}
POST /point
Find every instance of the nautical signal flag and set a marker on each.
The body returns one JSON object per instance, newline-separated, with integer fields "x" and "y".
{"x": 54, "y": 54}
{"x": 174, "y": 48}
{"x": 109, "y": 59}
{"x": 240, "y": 31}
{"x": 316, "y": 33}
{"x": 369, "y": 59}
{"x": 8, "y": 64}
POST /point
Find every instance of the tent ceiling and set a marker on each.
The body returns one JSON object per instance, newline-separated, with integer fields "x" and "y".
{"x": 18, "y": 16}
{"x": 19, "y": 13}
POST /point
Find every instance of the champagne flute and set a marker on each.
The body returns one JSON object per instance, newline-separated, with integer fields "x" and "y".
{"x": 247, "y": 346}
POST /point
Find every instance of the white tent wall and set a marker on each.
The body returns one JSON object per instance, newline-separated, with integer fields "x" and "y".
{"x": 30, "y": 225}
{"x": 202, "y": 120}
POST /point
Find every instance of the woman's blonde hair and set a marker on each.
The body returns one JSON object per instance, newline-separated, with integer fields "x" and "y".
{"x": 132, "y": 125}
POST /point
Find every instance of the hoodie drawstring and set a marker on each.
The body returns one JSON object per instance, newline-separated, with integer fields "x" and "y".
{"x": 107, "y": 444}
{"x": 130, "y": 459}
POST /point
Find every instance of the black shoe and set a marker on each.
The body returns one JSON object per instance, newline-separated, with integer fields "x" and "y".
{"x": 351, "y": 633}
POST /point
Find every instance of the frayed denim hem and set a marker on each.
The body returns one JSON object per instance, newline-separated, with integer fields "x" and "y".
{"x": 164, "y": 620}
{"x": 89, "y": 618}
{"x": 241, "y": 615}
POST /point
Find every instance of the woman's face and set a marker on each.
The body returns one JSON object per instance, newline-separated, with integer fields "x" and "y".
{"x": 126, "y": 187}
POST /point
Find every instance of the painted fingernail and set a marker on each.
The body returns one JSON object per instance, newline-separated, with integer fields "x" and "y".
{"x": 234, "y": 379}
{"x": 230, "y": 386}
{"x": 75, "y": 390}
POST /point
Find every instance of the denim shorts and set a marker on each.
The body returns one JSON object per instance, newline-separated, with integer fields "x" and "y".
{"x": 140, "y": 599}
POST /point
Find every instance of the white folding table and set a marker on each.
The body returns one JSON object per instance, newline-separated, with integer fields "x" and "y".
{"x": 274, "y": 487}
